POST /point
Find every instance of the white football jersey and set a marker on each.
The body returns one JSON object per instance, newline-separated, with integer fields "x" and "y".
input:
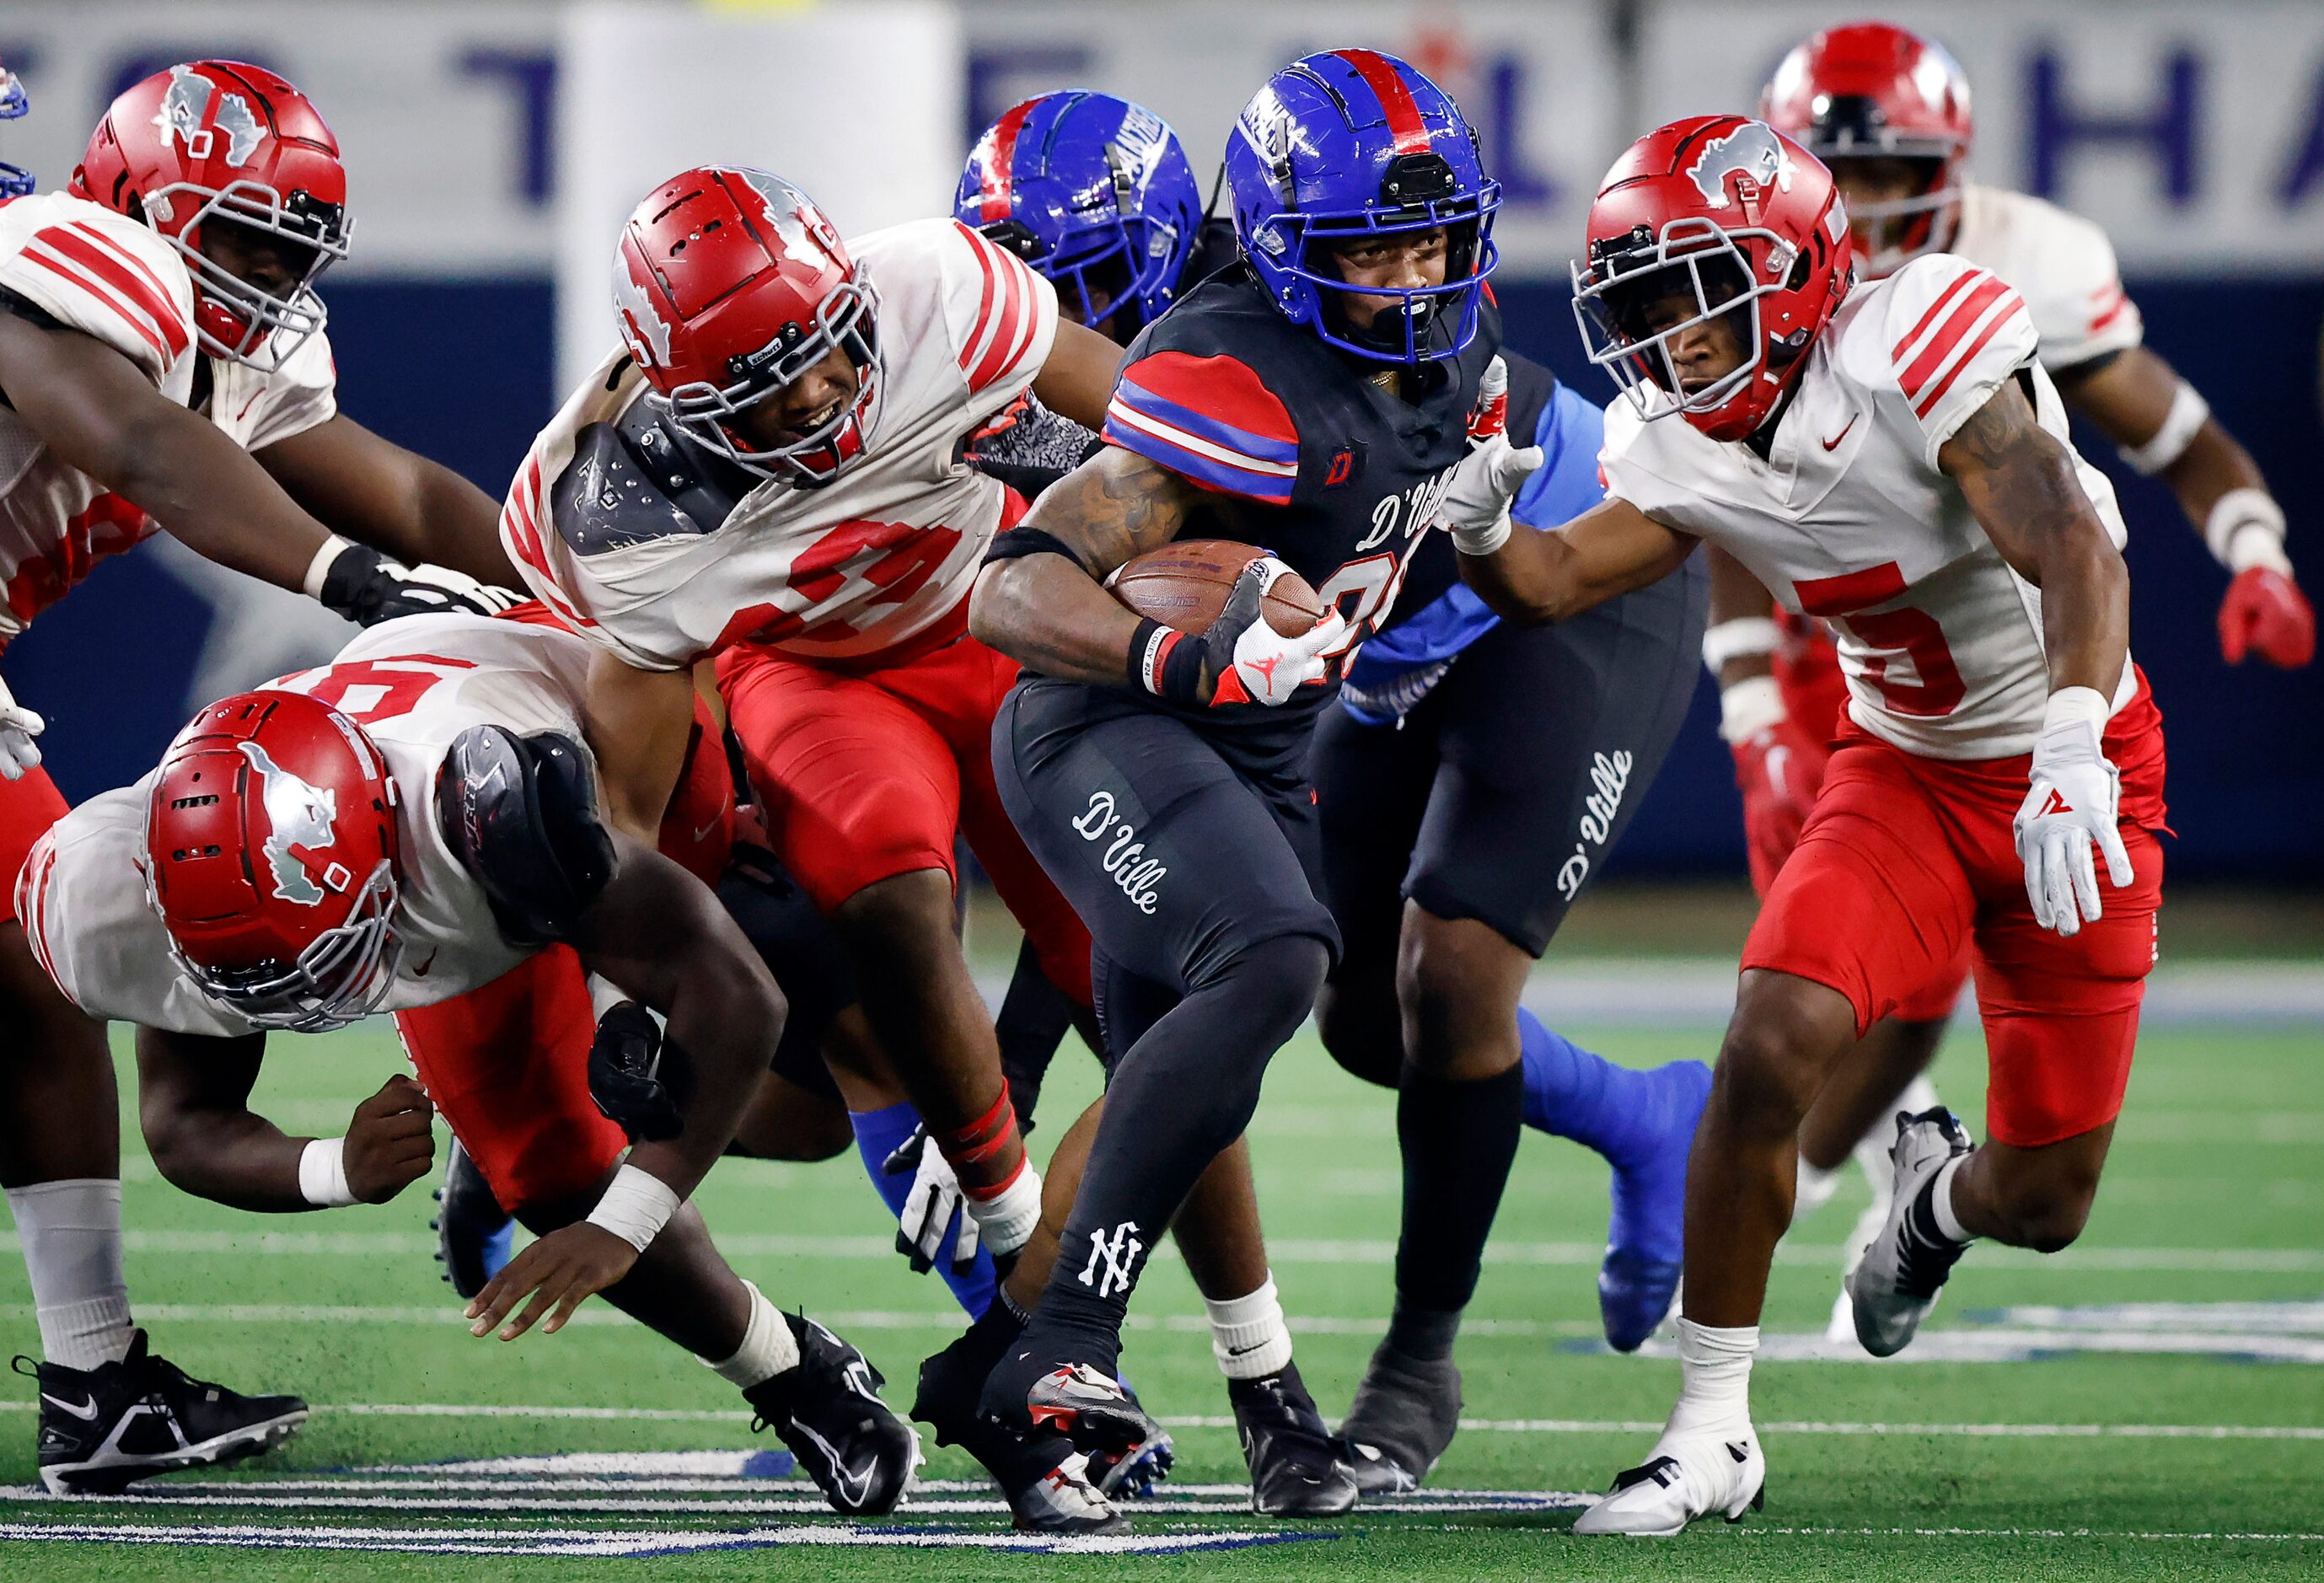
{"x": 1849, "y": 517}
{"x": 414, "y": 684}
{"x": 2061, "y": 265}
{"x": 881, "y": 554}
{"x": 107, "y": 276}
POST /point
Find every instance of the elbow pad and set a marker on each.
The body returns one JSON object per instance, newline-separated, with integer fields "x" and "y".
{"x": 521, "y": 816}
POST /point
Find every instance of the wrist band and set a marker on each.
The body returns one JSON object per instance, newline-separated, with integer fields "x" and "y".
{"x": 1150, "y": 653}
{"x": 2245, "y": 529}
{"x": 2188, "y": 414}
{"x": 1482, "y": 541}
{"x": 320, "y": 568}
{"x": 1743, "y": 637}
{"x": 2076, "y": 706}
{"x": 1749, "y": 707}
{"x": 323, "y": 1173}
{"x": 636, "y": 1206}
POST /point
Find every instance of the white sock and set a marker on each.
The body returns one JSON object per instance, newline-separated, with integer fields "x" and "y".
{"x": 1941, "y": 1201}
{"x": 1006, "y": 1218}
{"x": 1714, "y": 1375}
{"x": 768, "y": 1347}
{"x": 1247, "y": 1335}
{"x": 70, "y": 1232}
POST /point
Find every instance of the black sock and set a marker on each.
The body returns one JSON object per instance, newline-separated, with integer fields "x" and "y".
{"x": 1034, "y": 1017}
{"x": 1459, "y": 1140}
{"x": 1422, "y": 1334}
{"x": 1178, "y": 1096}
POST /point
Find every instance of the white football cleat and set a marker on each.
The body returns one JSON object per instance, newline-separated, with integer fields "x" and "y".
{"x": 1704, "y": 1473}
{"x": 1897, "y": 1281}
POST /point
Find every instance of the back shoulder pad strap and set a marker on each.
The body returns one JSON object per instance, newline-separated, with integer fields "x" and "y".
{"x": 521, "y": 815}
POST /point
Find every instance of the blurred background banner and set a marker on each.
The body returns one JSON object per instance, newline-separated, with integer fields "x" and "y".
{"x": 858, "y": 104}
{"x": 495, "y": 147}
{"x": 2193, "y": 133}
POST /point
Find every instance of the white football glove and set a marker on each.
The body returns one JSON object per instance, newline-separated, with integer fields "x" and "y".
{"x": 1269, "y": 666}
{"x": 2073, "y": 801}
{"x": 1476, "y": 505}
{"x": 18, "y": 727}
{"x": 934, "y": 1209}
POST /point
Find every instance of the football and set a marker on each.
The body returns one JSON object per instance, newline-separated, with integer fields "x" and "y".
{"x": 1186, "y": 585}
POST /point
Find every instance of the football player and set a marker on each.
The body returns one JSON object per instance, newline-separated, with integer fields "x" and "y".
{"x": 768, "y": 471}
{"x": 163, "y": 366}
{"x": 414, "y": 827}
{"x": 1118, "y": 263}
{"x": 1316, "y": 401}
{"x": 1888, "y": 111}
{"x": 1893, "y": 459}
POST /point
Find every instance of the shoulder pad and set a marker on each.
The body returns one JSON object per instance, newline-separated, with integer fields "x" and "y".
{"x": 637, "y": 479}
{"x": 521, "y": 816}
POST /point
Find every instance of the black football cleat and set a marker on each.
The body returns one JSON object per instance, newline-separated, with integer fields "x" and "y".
{"x": 1297, "y": 1466}
{"x": 104, "y": 1429}
{"x": 474, "y": 1235}
{"x": 1405, "y": 1413}
{"x": 1045, "y": 1481}
{"x": 827, "y": 1410}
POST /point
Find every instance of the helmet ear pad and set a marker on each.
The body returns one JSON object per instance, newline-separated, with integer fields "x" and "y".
{"x": 521, "y": 816}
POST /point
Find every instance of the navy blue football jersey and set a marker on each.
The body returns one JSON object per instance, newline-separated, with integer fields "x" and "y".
{"x": 1296, "y": 450}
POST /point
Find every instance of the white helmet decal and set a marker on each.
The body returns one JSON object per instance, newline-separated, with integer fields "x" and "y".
{"x": 298, "y": 813}
{"x": 182, "y": 113}
{"x": 1753, "y": 151}
{"x": 631, "y": 301}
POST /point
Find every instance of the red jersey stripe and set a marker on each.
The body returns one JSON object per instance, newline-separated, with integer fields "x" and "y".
{"x": 1411, "y": 133}
{"x": 47, "y": 260}
{"x": 2115, "y": 309}
{"x": 1000, "y": 165}
{"x": 983, "y": 252}
{"x": 1011, "y": 325}
{"x": 141, "y": 291}
{"x": 171, "y": 327}
{"x": 1949, "y": 334}
{"x": 1960, "y": 284}
{"x": 1922, "y": 408}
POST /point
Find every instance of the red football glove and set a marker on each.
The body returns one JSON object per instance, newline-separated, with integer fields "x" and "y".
{"x": 1779, "y": 769}
{"x": 2265, "y": 612}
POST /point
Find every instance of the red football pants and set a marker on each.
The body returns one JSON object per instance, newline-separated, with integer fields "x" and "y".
{"x": 1907, "y": 860}
{"x": 864, "y": 775}
{"x": 27, "y": 808}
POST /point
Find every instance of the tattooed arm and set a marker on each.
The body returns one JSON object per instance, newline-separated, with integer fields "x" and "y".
{"x": 1051, "y": 613}
{"x": 2019, "y": 479}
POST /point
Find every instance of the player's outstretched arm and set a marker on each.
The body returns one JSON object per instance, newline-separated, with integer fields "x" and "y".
{"x": 193, "y": 1104}
{"x": 2164, "y": 428}
{"x": 1551, "y": 574}
{"x": 99, "y": 414}
{"x": 2019, "y": 480}
{"x": 1049, "y": 610}
{"x": 661, "y": 937}
{"x": 376, "y": 492}
{"x": 1077, "y": 379}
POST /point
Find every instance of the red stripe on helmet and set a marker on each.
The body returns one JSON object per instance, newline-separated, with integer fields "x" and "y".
{"x": 1396, "y": 99}
{"x": 998, "y": 167}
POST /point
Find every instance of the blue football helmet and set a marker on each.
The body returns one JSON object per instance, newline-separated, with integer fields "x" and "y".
{"x": 1092, "y": 191}
{"x": 1351, "y": 142}
{"x": 16, "y": 181}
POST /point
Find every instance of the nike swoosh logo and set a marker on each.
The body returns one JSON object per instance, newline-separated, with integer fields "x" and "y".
{"x": 854, "y": 1485}
{"x": 1739, "y": 1450}
{"x": 420, "y": 969}
{"x": 1833, "y": 443}
{"x": 1238, "y": 1351}
{"x": 704, "y": 834}
{"x": 86, "y": 1412}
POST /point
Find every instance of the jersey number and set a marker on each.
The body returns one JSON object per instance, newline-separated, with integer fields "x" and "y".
{"x": 372, "y": 690}
{"x": 1915, "y": 632}
{"x": 822, "y": 570}
{"x": 1372, "y": 584}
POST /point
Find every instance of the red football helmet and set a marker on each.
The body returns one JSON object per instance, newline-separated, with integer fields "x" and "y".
{"x": 1726, "y": 216}
{"x": 1871, "y": 90}
{"x": 271, "y": 854}
{"x": 729, "y": 284}
{"x": 219, "y": 140}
